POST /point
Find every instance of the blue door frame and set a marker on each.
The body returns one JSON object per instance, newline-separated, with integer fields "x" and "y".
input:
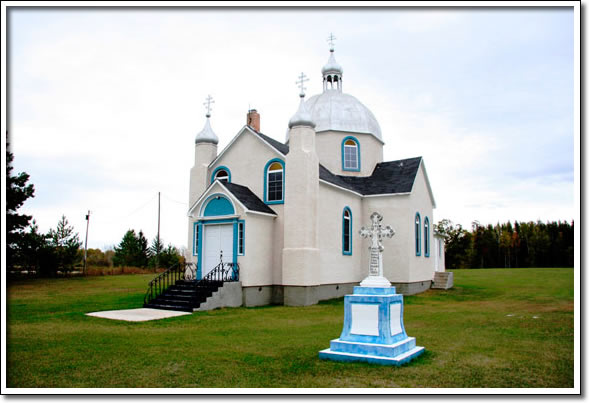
{"x": 201, "y": 224}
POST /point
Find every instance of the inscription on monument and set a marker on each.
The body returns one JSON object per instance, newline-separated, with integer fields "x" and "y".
{"x": 376, "y": 232}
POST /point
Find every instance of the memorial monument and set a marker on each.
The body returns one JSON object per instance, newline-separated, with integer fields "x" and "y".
{"x": 373, "y": 316}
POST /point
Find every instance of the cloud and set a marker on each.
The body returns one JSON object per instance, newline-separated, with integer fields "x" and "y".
{"x": 105, "y": 104}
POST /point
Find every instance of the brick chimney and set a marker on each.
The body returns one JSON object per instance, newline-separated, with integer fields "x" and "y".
{"x": 253, "y": 119}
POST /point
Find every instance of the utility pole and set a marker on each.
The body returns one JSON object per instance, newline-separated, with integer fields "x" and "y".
{"x": 157, "y": 255}
{"x": 86, "y": 243}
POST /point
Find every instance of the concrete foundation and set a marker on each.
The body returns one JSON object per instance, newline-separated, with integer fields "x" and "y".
{"x": 310, "y": 295}
{"x": 412, "y": 288}
{"x": 230, "y": 295}
{"x": 259, "y": 295}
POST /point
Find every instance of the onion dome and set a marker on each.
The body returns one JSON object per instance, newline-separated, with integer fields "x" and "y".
{"x": 302, "y": 117}
{"x": 332, "y": 67}
{"x": 333, "y": 110}
{"x": 207, "y": 135}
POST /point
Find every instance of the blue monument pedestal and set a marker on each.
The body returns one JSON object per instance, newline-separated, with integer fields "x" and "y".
{"x": 373, "y": 329}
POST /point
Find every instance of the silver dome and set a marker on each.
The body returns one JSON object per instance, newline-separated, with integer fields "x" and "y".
{"x": 334, "y": 110}
{"x": 302, "y": 117}
{"x": 332, "y": 66}
{"x": 207, "y": 135}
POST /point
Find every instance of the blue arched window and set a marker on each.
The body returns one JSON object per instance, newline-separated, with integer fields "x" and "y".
{"x": 222, "y": 173}
{"x": 347, "y": 231}
{"x": 426, "y": 237}
{"x": 350, "y": 154}
{"x": 417, "y": 234}
{"x": 274, "y": 182}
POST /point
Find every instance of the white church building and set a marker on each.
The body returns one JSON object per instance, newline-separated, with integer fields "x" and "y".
{"x": 289, "y": 213}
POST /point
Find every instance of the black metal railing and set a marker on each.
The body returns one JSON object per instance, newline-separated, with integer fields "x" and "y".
{"x": 163, "y": 281}
{"x": 223, "y": 272}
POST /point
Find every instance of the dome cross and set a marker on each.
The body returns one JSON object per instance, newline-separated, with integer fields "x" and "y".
{"x": 301, "y": 83}
{"x": 330, "y": 40}
{"x": 208, "y": 101}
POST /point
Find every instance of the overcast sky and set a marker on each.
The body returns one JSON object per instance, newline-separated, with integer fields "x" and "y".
{"x": 105, "y": 104}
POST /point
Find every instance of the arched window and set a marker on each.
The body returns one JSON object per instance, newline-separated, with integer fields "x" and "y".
{"x": 350, "y": 154}
{"x": 347, "y": 231}
{"x": 274, "y": 182}
{"x": 223, "y": 174}
{"x": 417, "y": 235}
{"x": 426, "y": 237}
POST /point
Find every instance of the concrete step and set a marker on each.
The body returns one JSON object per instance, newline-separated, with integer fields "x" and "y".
{"x": 328, "y": 354}
{"x": 443, "y": 280}
{"x": 168, "y": 307}
{"x": 381, "y": 350}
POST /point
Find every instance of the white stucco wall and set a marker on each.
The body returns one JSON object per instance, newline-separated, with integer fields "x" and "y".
{"x": 300, "y": 255}
{"x": 246, "y": 159}
{"x": 335, "y": 266}
{"x": 439, "y": 252}
{"x": 396, "y": 213}
{"x": 257, "y": 264}
{"x": 421, "y": 267}
{"x": 329, "y": 151}
{"x": 204, "y": 154}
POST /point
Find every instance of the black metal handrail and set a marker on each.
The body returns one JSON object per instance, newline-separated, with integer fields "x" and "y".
{"x": 223, "y": 272}
{"x": 163, "y": 281}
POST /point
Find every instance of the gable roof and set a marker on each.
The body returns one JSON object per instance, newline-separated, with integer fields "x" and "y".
{"x": 277, "y": 146}
{"x": 281, "y": 147}
{"x": 242, "y": 194}
{"x": 248, "y": 198}
{"x": 391, "y": 177}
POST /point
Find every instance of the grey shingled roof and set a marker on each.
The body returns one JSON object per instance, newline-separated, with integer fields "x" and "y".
{"x": 248, "y": 198}
{"x": 387, "y": 178}
{"x": 283, "y": 148}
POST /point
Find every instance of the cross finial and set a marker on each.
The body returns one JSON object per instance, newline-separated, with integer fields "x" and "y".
{"x": 301, "y": 83}
{"x": 330, "y": 40}
{"x": 208, "y": 101}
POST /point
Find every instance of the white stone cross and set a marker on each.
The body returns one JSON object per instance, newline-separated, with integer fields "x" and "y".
{"x": 301, "y": 82}
{"x": 208, "y": 101}
{"x": 376, "y": 232}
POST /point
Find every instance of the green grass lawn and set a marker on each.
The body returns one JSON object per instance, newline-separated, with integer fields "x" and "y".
{"x": 496, "y": 328}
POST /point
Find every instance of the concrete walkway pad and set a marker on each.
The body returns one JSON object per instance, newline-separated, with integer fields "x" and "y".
{"x": 138, "y": 315}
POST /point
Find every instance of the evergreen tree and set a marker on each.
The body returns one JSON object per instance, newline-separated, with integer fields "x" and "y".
{"x": 65, "y": 244}
{"x": 127, "y": 251}
{"x": 17, "y": 192}
{"x": 142, "y": 256}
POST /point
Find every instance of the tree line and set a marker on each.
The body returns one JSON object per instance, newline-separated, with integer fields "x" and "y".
{"x": 523, "y": 244}
{"x": 58, "y": 250}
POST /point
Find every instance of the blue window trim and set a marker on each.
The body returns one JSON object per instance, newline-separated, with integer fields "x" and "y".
{"x": 343, "y": 156}
{"x": 200, "y": 235}
{"x": 426, "y": 244}
{"x": 417, "y": 227}
{"x": 344, "y": 252}
{"x": 196, "y": 237}
{"x": 223, "y": 167}
{"x": 242, "y": 222}
{"x": 266, "y": 180}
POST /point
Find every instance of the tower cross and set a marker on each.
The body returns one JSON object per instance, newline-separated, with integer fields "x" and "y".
{"x": 208, "y": 101}
{"x": 301, "y": 83}
{"x": 330, "y": 40}
{"x": 376, "y": 232}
